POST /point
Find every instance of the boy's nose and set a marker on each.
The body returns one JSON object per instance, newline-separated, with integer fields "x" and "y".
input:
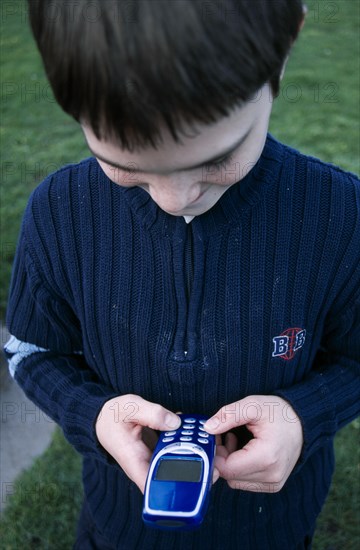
{"x": 174, "y": 198}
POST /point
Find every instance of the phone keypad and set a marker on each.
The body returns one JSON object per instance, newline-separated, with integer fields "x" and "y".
{"x": 190, "y": 430}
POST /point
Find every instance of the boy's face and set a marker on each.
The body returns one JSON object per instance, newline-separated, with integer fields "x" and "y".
{"x": 182, "y": 177}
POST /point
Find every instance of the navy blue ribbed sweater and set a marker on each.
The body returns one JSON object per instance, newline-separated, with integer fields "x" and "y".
{"x": 259, "y": 295}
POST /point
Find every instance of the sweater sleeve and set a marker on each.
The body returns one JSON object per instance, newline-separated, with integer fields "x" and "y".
{"x": 330, "y": 397}
{"x": 55, "y": 375}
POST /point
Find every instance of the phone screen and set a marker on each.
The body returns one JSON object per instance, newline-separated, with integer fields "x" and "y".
{"x": 175, "y": 469}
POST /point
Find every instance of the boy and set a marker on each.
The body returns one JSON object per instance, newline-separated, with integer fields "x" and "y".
{"x": 195, "y": 264}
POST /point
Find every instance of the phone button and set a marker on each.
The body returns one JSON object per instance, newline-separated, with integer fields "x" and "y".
{"x": 201, "y": 440}
{"x": 167, "y": 439}
{"x": 185, "y": 438}
{"x": 203, "y": 434}
{"x": 188, "y": 427}
{"x": 167, "y": 434}
{"x": 190, "y": 420}
{"x": 187, "y": 432}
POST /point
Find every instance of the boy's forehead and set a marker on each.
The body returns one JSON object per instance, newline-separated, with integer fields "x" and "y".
{"x": 197, "y": 146}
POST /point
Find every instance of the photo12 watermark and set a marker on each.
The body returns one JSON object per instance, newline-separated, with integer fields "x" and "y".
{"x": 252, "y": 411}
{"x": 23, "y": 412}
{"x": 317, "y": 11}
{"x": 73, "y": 11}
{"x": 39, "y": 492}
{"x": 28, "y": 92}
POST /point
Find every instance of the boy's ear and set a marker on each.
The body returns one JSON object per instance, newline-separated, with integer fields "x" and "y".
{"x": 305, "y": 11}
{"x": 302, "y": 23}
{"x": 283, "y": 68}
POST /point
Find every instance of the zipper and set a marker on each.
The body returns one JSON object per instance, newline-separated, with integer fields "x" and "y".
{"x": 189, "y": 263}
{"x": 189, "y": 272}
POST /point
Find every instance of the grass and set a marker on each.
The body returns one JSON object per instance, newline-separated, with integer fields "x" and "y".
{"x": 36, "y": 136}
{"x": 318, "y": 107}
{"x": 43, "y": 512}
{"x": 316, "y": 112}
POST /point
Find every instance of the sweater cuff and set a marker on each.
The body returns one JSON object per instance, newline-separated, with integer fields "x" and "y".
{"x": 68, "y": 395}
{"x": 79, "y": 429}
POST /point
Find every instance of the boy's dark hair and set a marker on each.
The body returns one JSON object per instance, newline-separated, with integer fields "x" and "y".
{"x": 126, "y": 67}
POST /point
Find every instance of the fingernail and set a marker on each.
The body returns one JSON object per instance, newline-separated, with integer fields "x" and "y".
{"x": 172, "y": 421}
{"x": 212, "y": 424}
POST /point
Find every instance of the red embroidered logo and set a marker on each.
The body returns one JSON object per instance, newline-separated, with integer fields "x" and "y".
{"x": 288, "y": 343}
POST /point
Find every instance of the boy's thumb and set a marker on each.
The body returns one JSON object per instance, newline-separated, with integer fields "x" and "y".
{"x": 172, "y": 421}
{"x": 149, "y": 414}
{"x": 158, "y": 418}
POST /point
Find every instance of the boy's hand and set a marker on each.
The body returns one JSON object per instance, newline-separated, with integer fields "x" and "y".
{"x": 266, "y": 461}
{"x": 125, "y": 428}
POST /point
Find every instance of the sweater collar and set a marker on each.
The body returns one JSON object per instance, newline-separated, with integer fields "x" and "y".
{"x": 230, "y": 207}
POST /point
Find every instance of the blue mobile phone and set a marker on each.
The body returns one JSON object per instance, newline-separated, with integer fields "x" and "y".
{"x": 180, "y": 476}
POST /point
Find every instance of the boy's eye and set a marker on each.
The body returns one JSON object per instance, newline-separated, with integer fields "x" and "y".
{"x": 221, "y": 163}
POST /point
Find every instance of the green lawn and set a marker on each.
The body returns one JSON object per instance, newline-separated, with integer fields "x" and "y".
{"x": 43, "y": 512}
{"x": 317, "y": 112}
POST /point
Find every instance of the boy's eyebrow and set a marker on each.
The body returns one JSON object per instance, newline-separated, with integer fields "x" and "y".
{"x": 219, "y": 156}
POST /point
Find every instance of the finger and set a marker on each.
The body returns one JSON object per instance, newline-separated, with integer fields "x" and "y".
{"x": 255, "y": 486}
{"x": 220, "y": 459}
{"x": 245, "y": 411}
{"x": 224, "y": 419}
{"x": 149, "y": 437}
{"x": 245, "y": 464}
{"x": 216, "y": 475}
{"x": 251, "y": 463}
{"x": 149, "y": 414}
{"x": 134, "y": 460}
{"x": 231, "y": 442}
{"x": 222, "y": 451}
